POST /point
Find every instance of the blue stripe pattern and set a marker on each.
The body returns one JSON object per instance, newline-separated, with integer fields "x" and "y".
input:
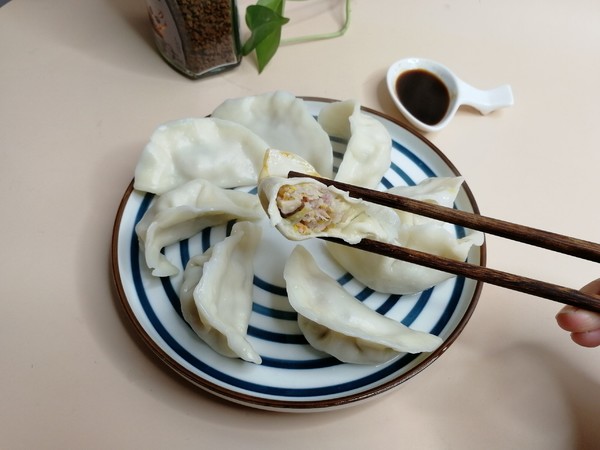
{"x": 284, "y": 338}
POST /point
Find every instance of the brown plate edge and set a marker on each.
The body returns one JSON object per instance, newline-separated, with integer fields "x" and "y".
{"x": 282, "y": 405}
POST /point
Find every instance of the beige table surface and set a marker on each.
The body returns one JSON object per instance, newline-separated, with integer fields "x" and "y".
{"x": 81, "y": 90}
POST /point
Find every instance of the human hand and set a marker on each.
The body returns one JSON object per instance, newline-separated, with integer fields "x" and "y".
{"x": 583, "y": 325}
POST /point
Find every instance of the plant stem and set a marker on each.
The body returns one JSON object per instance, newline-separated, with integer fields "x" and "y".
{"x": 321, "y": 36}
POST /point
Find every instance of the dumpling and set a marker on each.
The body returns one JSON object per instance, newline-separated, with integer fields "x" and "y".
{"x": 368, "y": 153}
{"x": 216, "y": 293}
{"x": 220, "y": 151}
{"x": 392, "y": 276}
{"x": 184, "y": 211}
{"x": 437, "y": 190}
{"x": 278, "y": 163}
{"x": 335, "y": 322}
{"x": 303, "y": 208}
{"x": 285, "y": 123}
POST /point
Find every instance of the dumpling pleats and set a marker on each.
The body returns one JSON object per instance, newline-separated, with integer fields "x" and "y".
{"x": 183, "y": 212}
{"x": 392, "y": 276}
{"x": 335, "y": 322}
{"x": 368, "y": 153}
{"x": 223, "y": 152}
{"x": 285, "y": 123}
{"x": 278, "y": 163}
{"x": 216, "y": 293}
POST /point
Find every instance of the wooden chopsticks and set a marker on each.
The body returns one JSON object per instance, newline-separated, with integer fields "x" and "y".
{"x": 532, "y": 236}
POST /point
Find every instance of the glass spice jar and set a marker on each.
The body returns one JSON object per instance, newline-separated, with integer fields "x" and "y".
{"x": 197, "y": 37}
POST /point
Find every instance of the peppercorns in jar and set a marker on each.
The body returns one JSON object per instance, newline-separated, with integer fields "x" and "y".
{"x": 196, "y": 37}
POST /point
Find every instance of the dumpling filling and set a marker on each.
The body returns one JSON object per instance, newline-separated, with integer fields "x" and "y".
{"x": 309, "y": 208}
{"x": 303, "y": 208}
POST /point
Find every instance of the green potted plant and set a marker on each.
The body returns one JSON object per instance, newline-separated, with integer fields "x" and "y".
{"x": 265, "y": 20}
{"x": 202, "y": 37}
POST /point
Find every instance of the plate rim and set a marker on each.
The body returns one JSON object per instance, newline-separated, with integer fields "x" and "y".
{"x": 288, "y": 405}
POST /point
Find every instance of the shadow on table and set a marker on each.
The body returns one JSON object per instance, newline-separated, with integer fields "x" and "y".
{"x": 514, "y": 395}
{"x": 134, "y": 13}
{"x": 582, "y": 395}
{"x": 84, "y": 31}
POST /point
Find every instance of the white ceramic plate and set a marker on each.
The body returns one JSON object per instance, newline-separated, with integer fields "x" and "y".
{"x": 293, "y": 376}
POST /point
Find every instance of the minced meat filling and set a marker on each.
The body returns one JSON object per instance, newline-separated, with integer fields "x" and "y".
{"x": 308, "y": 207}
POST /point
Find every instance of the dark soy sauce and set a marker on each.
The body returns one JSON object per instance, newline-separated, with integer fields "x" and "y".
{"x": 424, "y": 95}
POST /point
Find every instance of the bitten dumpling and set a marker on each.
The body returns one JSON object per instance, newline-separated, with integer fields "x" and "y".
{"x": 182, "y": 212}
{"x": 368, "y": 153}
{"x": 216, "y": 293}
{"x": 284, "y": 122}
{"x": 304, "y": 208}
{"x": 278, "y": 163}
{"x": 220, "y": 151}
{"x": 335, "y": 322}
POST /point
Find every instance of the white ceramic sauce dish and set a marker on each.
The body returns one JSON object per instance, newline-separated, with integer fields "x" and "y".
{"x": 422, "y": 79}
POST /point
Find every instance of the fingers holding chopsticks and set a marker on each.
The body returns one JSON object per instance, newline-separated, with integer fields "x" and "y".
{"x": 584, "y": 325}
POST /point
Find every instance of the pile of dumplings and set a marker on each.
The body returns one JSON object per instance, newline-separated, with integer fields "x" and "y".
{"x": 194, "y": 167}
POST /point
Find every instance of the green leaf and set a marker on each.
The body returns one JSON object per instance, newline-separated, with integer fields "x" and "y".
{"x": 273, "y": 5}
{"x": 264, "y": 21}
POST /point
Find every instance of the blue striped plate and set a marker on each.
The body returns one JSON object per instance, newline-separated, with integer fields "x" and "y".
{"x": 293, "y": 376}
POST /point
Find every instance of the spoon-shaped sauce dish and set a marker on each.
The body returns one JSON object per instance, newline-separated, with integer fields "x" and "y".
{"x": 428, "y": 94}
